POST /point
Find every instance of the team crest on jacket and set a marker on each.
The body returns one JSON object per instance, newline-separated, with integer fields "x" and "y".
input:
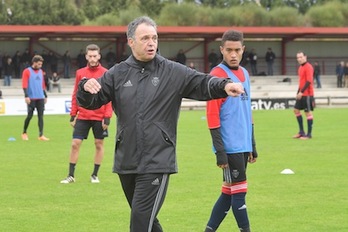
{"x": 155, "y": 81}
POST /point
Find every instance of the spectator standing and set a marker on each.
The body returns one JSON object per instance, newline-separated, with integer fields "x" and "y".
{"x": 25, "y": 59}
{"x": 82, "y": 120}
{"x": 245, "y": 58}
{"x": 270, "y": 57}
{"x": 253, "y": 62}
{"x": 48, "y": 66}
{"x": 181, "y": 57}
{"x": 110, "y": 58}
{"x": 45, "y": 65}
{"x": 66, "y": 63}
{"x": 146, "y": 92}
{"x": 317, "y": 74}
{"x": 53, "y": 59}
{"x": 81, "y": 59}
{"x": 346, "y": 75}
{"x": 16, "y": 60}
{"x": 230, "y": 124}
{"x": 340, "y": 74}
{"x": 2, "y": 62}
{"x": 4, "y": 58}
{"x": 213, "y": 59}
{"x": 304, "y": 96}
{"x": 35, "y": 95}
{"x": 46, "y": 77}
{"x": 8, "y": 71}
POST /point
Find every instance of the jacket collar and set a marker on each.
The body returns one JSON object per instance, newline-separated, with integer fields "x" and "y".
{"x": 150, "y": 65}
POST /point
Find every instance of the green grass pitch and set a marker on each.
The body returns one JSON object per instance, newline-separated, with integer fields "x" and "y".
{"x": 314, "y": 199}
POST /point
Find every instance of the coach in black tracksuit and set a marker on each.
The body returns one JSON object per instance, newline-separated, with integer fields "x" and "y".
{"x": 146, "y": 91}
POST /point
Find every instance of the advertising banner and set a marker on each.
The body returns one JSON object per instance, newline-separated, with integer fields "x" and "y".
{"x": 19, "y": 107}
{"x": 272, "y": 104}
{"x": 63, "y": 105}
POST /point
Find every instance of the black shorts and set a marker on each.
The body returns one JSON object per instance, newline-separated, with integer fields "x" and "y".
{"x": 38, "y": 104}
{"x": 82, "y": 128}
{"x": 306, "y": 103}
{"x": 237, "y": 164}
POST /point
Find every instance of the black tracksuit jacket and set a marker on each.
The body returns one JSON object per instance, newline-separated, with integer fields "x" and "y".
{"x": 146, "y": 98}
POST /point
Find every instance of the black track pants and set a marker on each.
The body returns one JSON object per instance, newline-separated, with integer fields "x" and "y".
{"x": 145, "y": 194}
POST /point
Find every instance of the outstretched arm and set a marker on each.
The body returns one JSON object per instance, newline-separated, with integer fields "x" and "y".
{"x": 91, "y": 95}
{"x": 91, "y": 86}
{"x": 234, "y": 89}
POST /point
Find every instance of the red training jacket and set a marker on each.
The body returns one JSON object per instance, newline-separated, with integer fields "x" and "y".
{"x": 104, "y": 111}
{"x": 305, "y": 73}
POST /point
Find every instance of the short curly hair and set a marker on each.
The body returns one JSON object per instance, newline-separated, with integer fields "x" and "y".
{"x": 37, "y": 58}
{"x": 232, "y": 35}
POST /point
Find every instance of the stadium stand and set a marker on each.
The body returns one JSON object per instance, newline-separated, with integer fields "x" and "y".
{"x": 15, "y": 90}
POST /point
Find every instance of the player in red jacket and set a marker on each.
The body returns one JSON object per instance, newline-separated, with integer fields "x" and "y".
{"x": 305, "y": 96}
{"x": 83, "y": 120}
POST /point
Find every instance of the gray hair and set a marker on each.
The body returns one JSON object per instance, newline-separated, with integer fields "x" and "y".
{"x": 132, "y": 26}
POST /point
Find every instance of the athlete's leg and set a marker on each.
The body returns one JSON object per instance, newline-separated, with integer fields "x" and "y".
{"x": 80, "y": 133}
{"x": 128, "y": 186}
{"x": 308, "y": 112}
{"x": 30, "y": 112}
{"x": 74, "y": 155}
{"x": 75, "y": 149}
{"x": 220, "y": 209}
{"x": 40, "y": 107}
{"x": 239, "y": 208}
{"x": 309, "y": 117}
{"x": 136, "y": 189}
{"x": 99, "y": 136}
{"x": 238, "y": 163}
{"x": 99, "y": 154}
{"x": 149, "y": 194}
{"x": 299, "y": 119}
